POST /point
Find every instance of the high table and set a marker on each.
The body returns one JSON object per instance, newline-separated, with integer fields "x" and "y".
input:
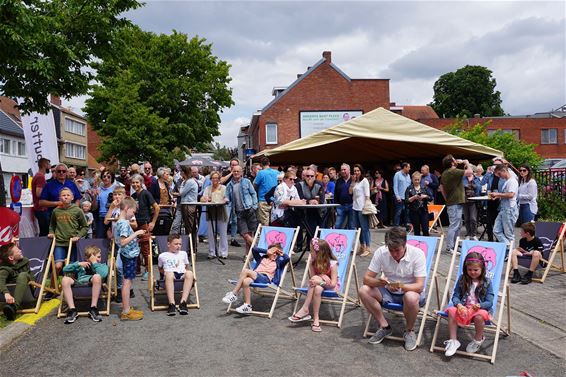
{"x": 482, "y": 216}
{"x": 213, "y": 222}
{"x": 304, "y": 222}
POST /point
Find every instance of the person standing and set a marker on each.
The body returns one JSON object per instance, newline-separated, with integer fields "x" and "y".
{"x": 472, "y": 187}
{"x": 360, "y": 194}
{"x": 342, "y": 196}
{"x": 265, "y": 180}
{"x": 102, "y": 202}
{"x": 401, "y": 180}
{"x": 429, "y": 180}
{"x": 380, "y": 188}
{"x": 312, "y": 192}
{"x": 416, "y": 200}
{"x": 527, "y": 195}
{"x": 216, "y": 217}
{"x": 50, "y": 194}
{"x": 37, "y": 184}
{"x": 504, "y": 227}
{"x": 452, "y": 189}
{"x": 233, "y": 221}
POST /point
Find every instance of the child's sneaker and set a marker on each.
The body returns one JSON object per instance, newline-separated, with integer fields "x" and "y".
{"x": 171, "y": 310}
{"x": 183, "y": 310}
{"x": 229, "y": 298}
{"x": 474, "y": 345}
{"x": 94, "y": 314}
{"x": 10, "y": 311}
{"x": 145, "y": 276}
{"x": 72, "y": 315}
{"x": 132, "y": 315}
{"x": 450, "y": 347}
{"x": 244, "y": 309}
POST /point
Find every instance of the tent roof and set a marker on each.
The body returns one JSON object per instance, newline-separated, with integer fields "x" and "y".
{"x": 379, "y": 135}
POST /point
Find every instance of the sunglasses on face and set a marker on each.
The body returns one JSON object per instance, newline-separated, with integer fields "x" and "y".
{"x": 523, "y": 170}
{"x": 309, "y": 176}
{"x": 61, "y": 171}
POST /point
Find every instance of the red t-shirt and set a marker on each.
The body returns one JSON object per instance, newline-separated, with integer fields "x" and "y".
{"x": 38, "y": 181}
{"x": 9, "y": 225}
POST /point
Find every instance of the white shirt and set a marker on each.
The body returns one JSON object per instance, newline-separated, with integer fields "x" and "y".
{"x": 173, "y": 262}
{"x": 282, "y": 193}
{"x": 359, "y": 194}
{"x": 411, "y": 266}
{"x": 510, "y": 185}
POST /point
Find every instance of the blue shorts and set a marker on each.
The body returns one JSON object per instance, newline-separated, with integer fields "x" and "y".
{"x": 392, "y": 298}
{"x": 128, "y": 267}
{"x": 60, "y": 253}
{"x": 262, "y": 279}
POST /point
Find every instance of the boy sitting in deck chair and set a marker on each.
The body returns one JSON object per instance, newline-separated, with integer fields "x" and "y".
{"x": 174, "y": 265}
{"x": 529, "y": 245}
{"x": 268, "y": 266}
{"x": 14, "y": 268}
{"x": 89, "y": 272}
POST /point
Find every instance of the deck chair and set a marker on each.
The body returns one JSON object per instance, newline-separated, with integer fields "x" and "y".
{"x": 265, "y": 236}
{"x": 431, "y": 246}
{"x": 494, "y": 255}
{"x": 343, "y": 243}
{"x": 436, "y": 209}
{"x": 84, "y": 292}
{"x": 39, "y": 251}
{"x": 157, "y": 286}
{"x": 551, "y": 235}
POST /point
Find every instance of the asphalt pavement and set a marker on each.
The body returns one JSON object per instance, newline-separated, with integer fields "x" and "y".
{"x": 209, "y": 342}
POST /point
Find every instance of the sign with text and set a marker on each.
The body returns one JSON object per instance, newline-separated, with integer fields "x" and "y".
{"x": 315, "y": 121}
{"x": 41, "y": 138}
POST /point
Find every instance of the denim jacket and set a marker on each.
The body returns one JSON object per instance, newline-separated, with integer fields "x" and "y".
{"x": 249, "y": 196}
{"x": 486, "y": 302}
{"x": 476, "y": 182}
{"x": 281, "y": 261}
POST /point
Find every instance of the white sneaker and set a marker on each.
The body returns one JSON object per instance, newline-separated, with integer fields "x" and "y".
{"x": 474, "y": 345}
{"x": 450, "y": 347}
{"x": 229, "y": 298}
{"x": 244, "y": 309}
{"x": 475, "y": 238}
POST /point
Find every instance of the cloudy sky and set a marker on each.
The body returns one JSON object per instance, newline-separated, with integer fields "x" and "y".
{"x": 268, "y": 43}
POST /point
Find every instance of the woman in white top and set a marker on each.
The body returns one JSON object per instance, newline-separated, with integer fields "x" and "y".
{"x": 216, "y": 216}
{"x": 359, "y": 188}
{"x": 527, "y": 195}
{"x": 285, "y": 194}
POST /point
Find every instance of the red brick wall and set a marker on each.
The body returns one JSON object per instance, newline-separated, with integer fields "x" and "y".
{"x": 529, "y": 131}
{"x": 324, "y": 89}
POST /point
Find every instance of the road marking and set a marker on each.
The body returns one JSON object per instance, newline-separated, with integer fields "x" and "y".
{"x": 46, "y": 308}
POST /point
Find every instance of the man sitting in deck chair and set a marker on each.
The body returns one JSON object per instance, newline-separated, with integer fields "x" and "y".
{"x": 404, "y": 270}
{"x": 269, "y": 264}
{"x": 174, "y": 265}
{"x": 14, "y": 268}
{"x": 88, "y": 272}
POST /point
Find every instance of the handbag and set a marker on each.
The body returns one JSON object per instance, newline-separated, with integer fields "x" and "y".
{"x": 369, "y": 208}
{"x": 373, "y": 221}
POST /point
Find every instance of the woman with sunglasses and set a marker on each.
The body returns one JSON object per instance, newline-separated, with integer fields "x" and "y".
{"x": 527, "y": 195}
{"x": 285, "y": 194}
{"x": 101, "y": 202}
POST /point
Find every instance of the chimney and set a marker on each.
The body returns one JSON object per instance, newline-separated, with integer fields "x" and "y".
{"x": 477, "y": 116}
{"x": 327, "y": 55}
{"x": 55, "y": 100}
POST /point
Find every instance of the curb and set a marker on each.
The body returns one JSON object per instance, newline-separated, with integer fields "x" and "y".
{"x": 12, "y": 332}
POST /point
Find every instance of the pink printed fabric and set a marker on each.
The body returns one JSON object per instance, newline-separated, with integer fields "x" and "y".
{"x": 465, "y": 317}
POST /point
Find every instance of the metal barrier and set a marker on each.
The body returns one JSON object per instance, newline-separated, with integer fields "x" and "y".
{"x": 551, "y": 181}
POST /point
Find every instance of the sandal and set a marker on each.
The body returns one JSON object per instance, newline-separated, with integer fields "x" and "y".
{"x": 295, "y": 318}
{"x": 315, "y": 328}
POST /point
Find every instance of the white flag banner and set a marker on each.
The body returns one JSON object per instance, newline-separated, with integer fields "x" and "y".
{"x": 41, "y": 138}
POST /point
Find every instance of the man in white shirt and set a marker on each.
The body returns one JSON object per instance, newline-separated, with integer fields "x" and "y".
{"x": 504, "y": 227}
{"x": 396, "y": 274}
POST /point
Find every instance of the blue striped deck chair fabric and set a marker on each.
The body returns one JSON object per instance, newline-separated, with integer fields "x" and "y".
{"x": 551, "y": 235}
{"x": 431, "y": 247}
{"x": 156, "y": 281}
{"x": 39, "y": 251}
{"x": 343, "y": 243}
{"x": 264, "y": 237}
{"x": 498, "y": 271}
{"x": 84, "y": 292}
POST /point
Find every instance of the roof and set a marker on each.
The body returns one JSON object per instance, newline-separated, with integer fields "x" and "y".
{"x": 8, "y": 126}
{"x": 10, "y": 107}
{"x": 379, "y": 135}
{"x": 418, "y": 112}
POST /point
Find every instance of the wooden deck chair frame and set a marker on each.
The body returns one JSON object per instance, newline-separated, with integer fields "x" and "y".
{"x": 436, "y": 219}
{"x": 153, "y": 281}
{"x": 501, "y": 298}
{"x": 105, "y": 290}
{"x": 557, "y": 248}
{"x": 48, "y": 271}
{"x": 271, "y": 290}
{"x": 431, "y": 285}
{"x": 343, "y": 298}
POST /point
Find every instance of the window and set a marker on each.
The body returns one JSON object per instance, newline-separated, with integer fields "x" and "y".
{"x": 549, "y": 136}
{"x": 271, "y": 133}
{"x": 75, "y": 151}
{"x": 5, "y": 145}
{"x": 74, "y": 127}
{"x": 21, "y": 148}
{"x": 516, "y": 133}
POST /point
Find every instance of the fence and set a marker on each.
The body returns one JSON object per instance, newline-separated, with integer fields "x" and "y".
{"x": 551, "y": 181}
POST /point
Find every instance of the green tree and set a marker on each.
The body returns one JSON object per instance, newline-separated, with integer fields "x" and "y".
{"x": 468, "y": 91}
{"x": 48, "y": 46}
{"x": 157, "y": 96}
{"x": 515, "y": 151}
{"x": 223, "y": 153}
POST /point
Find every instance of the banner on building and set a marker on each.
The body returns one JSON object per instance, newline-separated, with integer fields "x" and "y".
{"x": 41, "y": 138}
{"x": 315, "y": 121}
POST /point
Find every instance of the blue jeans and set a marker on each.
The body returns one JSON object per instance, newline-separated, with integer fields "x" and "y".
{"x": 343, "y": 213}
{"x": 43, "y": 222}
{"x": 361, "y": 221}
{"x": 504, "y": 227}
{"x": 455, "y": 219}
{"x": 525, "y": 214}
{"x": 233, "y": 225}
{"x": 399, "y": 214}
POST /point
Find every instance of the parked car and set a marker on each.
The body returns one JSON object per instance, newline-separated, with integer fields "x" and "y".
{"x": 550, "y": 162}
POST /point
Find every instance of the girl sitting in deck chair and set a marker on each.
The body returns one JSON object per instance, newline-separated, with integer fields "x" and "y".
{"x": 324, "y": 276}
